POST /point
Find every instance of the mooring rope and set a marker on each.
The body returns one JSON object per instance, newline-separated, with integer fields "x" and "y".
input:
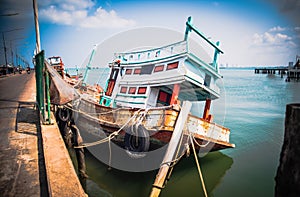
{"x": 111, "y": 136}
{"x": 89, "y": 114}
{"x": 200, "y": 145}
{"x": 173, "y": 162}
{"x": 198, "y": 167}
{"x": 109, "y": 149}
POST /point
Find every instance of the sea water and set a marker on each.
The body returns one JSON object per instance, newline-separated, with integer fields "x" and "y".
{"x": 253, "y": 107}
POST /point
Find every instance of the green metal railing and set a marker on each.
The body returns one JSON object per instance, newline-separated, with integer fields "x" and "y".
{"x": 42, "y": 86}
{"x": 39, "y": 73}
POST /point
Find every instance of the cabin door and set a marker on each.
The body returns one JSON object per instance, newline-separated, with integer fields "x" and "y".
{"x": 112, "y": 81}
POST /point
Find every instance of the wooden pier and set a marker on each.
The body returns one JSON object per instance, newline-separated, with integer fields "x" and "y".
{"x": 294, "y": 71}
{"x": 279, "y": 70}
{"x": 293, "y": 74}
{"x": 34, "y": 160}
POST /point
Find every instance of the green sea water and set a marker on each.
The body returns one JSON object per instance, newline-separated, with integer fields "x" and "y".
{"x": 253, "y": 107}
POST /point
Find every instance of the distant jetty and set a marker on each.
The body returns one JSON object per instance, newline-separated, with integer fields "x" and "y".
{"x": 271, "y": 70}
{"x": 292, "y": 71}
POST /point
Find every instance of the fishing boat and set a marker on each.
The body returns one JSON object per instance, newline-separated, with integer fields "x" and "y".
{"x": 57, "y": 63}
{"x": 139, "y": 107}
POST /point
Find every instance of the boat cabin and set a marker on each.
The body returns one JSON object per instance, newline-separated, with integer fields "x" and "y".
{"x": 57, "y": 63}
{"x": 161, "y": 76}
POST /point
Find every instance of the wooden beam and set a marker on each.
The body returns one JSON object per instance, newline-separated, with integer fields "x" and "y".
{"x": 174, "y": 98}
{"x": 206, "y": 109}
{"x": 171, "y": 151}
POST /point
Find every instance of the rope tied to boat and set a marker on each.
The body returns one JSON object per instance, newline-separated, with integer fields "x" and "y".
{"x": 200, "y": 145}
{"x": 97, "y": 113}
{"x": 111, "y": 136}
{"x": 198, "y": 165}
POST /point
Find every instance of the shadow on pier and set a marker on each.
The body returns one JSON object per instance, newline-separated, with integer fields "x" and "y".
{"x": 22, "y": 159}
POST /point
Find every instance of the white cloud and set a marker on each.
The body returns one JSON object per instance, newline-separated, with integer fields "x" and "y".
{"x": 68, "y": 4}
{"x": 277, "y": 29}
{"x": 272, "y": 39}
{"x": 102, "y": 18}
{"x": 79, "y": 14}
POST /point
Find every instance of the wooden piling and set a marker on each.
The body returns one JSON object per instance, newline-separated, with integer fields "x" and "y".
{"x": 171, "y": 151}
{"x": 79, "y": 156}
{"x": 288, "y": 173}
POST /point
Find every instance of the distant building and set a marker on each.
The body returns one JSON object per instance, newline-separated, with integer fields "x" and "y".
{"x": 294, "y": 70}
{"x": 291, "y": 65}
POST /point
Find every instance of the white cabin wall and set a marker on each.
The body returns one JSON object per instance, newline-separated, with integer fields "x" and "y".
{"x": 152, "y": 99}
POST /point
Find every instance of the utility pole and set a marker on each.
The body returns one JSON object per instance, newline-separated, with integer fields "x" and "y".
{"x": 12, "y": 54}
{"x": 37, "y": 29}
{"x": 4, "y": 47}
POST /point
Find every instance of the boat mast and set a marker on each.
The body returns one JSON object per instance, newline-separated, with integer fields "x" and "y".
{"x": 190, "y": 27}
{"x": 88, "y": 66}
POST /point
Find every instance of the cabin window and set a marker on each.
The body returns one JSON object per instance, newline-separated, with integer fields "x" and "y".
{"x": 172, "y": 66}
{"x": 132, "y": 90}
{"x": 128, "y": 71}
{"x": 123, "y": 90}
{"x": 159, "y": 68}
{"x": 142, "y": 90}
{"x": 164, "y": 98}
{"x": 147, "y": 69}
{"x": 137, "y": 71}
{"x": 207, "y": 80}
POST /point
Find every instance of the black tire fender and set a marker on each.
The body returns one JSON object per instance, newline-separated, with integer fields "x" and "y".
{"x": 137, "y": 139}
{"x": 63, "y": 114}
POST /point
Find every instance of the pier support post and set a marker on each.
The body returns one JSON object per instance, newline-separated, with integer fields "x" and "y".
{"x": 171, "y": 151}
{"x": 288, "y": 172}
{"x": 79, "y": 156}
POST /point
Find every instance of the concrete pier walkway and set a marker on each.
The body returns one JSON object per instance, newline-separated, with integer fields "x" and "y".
{"x": 33, "y": 158}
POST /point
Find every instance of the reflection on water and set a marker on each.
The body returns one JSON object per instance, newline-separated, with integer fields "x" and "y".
{"x": 184, "y": 180}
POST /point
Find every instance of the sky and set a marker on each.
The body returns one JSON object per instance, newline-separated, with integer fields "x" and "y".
{"x": 251, "y": 32}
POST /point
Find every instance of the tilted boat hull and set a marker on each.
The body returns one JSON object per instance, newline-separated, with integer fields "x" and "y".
{"x": 158, "y": 123}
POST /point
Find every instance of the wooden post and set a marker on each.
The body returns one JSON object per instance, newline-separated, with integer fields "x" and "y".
{"x": 174, "y": 98}
{"x": 79, "y": 155}
{"x": 206, "y": 109}
{"x": 171, "y": 151}
{"x": 287, "y": 177}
